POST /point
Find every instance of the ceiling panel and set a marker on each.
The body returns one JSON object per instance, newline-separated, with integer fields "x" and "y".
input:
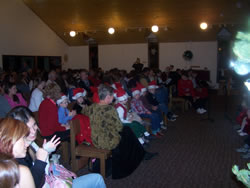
{"x": 178, "y": 19}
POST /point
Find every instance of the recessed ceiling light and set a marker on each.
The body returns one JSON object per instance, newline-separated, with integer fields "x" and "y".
{"x": 155, "y": 28}
{"x": 72, "y": 33}
{"x": 111, "y": 30}
{"x": 203, "y": 25}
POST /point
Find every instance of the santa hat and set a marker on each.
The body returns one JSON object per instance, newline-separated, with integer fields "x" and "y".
{"x": 62, "y": 98}
{"x": 78, "y": 92}
{"x": 135, "y": 91}
{"x": 118, "y": 85}
{"x": 121, "y": 95}
{"x": 141, "y": 87}
{"x": 152, "y": 85}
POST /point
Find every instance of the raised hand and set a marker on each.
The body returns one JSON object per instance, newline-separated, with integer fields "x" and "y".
{"x": 52, "y": 144}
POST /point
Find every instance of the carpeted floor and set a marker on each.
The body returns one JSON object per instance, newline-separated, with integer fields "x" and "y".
{"x": 192, "y": 154}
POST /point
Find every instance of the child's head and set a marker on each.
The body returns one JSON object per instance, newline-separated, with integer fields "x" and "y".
{"x": 152, "y": 87}
{"x": 78, "y": 95}
{"x": 121, "y": 96}
{"x": 152, "y": 90}
{"x": 136, "y": 96}
{"x": 63, "y": 101}
{"x": 136, "y": 93}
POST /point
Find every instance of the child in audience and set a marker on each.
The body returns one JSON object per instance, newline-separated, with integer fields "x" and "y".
{"x": 245, "y": 124}
{"x": 78, "y": 95}
{"x": 127, "y": 118}
{"x": 64, "y": 115}
{"x": 138, "y": 107}
{"x": 85, "y": 134}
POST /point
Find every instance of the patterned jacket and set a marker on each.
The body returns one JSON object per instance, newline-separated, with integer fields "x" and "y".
{"x": 105, "y": 125}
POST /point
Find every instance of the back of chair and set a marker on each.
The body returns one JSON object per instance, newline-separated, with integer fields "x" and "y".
{"x": 74, "y": 130}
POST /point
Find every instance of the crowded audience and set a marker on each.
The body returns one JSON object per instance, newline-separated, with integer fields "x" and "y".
{"x": 118, "y": 110}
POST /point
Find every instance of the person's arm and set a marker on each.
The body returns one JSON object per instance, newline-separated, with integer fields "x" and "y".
{"x": 120, "y": 112}
{"x": 62, "y": 118}
{"x": 26, "y": 179}
{"x": 21, "y": 99}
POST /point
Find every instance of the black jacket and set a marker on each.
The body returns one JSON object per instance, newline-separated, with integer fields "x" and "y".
{"x": 37, "y": 170}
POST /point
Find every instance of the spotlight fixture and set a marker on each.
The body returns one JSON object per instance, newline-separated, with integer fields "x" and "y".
{"x": 155, "y": 28}
{"x": 203, "y": 25}
{"x": 111, "y": 30}
{"x": 72, "y": 33}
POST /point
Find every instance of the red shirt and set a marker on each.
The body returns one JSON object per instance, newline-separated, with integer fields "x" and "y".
{"x": 48, "y": 118}
{"x": 185, "y": 87}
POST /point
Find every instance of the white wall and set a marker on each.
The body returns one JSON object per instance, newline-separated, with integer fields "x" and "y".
{"x": 204, "y": 55}
{"x": 78, "y": 57}
{"x": 122, "y": 56}
{"x": 23, "y": 33}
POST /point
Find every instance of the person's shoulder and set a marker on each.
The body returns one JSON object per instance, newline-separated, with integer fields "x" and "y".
{"x": 24, "y": 169}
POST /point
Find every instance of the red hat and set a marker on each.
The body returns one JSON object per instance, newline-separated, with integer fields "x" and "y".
{"x": 121, "y": 95}
{"x": 118, "y": 85}
{"x": 135, "y": 91}
{"x": 62, "y": 98}
{"x": 152, "y": 85}
{"x": 141, "y": 87}
{"x": 78, "y": 92}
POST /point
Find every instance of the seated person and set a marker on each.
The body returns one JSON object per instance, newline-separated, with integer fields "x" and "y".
{"x": 14, "y": 99}
{"x": 37, "y": 96}
{"x": 186, "y": 90}
{"x": 85, "y": 134}
{"x": 12, "y": 143}
{"x": 38, "y": 164}
{"x": 48, "y": 115}
{"x": 79, "y": 95}
{"x": 127, "y": 118}
{"x": 64, "y": 115}
{"x": 150, "y": 103}
{"x": 5, "y": 107}
{"x": 9, "y": 171}
{"x": 107, "y": 132}
{"x": 138, "y": 107}
{"x": 37, "y": 158}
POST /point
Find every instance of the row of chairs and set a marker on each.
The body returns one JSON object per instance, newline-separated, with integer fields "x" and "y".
{"x": 83, "y": 150}
{"x": 77, "y": 151}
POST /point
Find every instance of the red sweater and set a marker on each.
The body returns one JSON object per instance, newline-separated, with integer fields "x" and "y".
{"x": 48, "y": 118}
{"x": 185, "y": 87}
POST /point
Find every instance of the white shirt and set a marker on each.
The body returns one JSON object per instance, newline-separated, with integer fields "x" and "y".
{"x": 35, "y": 100}
{"x": 121, "y": 112}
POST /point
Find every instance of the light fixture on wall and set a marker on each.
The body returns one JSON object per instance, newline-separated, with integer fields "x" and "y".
{"x": 155, "y": 28}
{"x": 72, "y": 33}
{"x": 203, "y": 25}
{"x": 111, "y": 30}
